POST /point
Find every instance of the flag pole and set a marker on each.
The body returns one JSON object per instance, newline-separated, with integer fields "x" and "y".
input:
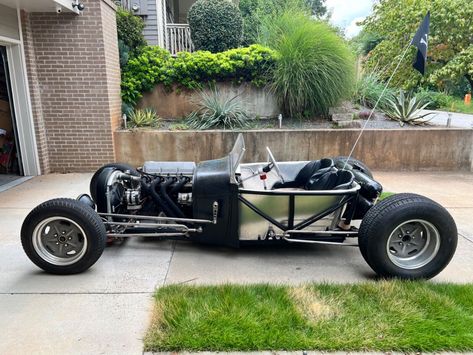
{"x": 376, "y": 104}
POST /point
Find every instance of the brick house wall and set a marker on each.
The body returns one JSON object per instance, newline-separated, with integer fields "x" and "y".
{"x": 74, "y": 77}
{"x": 112, "y": 62}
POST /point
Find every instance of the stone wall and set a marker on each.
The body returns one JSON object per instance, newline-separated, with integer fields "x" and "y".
{"x": 178, "y": 103}
{"x": 397, "y": 149}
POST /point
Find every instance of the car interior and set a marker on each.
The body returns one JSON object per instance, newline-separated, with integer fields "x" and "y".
{"x": 317, "y": 175}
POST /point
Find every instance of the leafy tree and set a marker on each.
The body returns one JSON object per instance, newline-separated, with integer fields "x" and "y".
{"x": 365, "y": 42}
{"x": 450, "y": 44}
{"x": 317, "y": 7}
{"x": 460, "y": 65}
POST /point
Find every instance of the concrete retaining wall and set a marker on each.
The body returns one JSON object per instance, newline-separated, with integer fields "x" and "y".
{"x": 398, "y": 149}
{"x": 178, "y": 103}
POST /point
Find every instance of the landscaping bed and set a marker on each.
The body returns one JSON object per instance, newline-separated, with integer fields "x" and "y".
{"x": 381, "y": 316}
{"x": 378, "y": 121}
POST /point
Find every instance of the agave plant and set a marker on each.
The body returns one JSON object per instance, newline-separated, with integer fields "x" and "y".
{"x": 143, "y": 118}
{"x": 407, "y": 109}
{"x": 216, "y": 110}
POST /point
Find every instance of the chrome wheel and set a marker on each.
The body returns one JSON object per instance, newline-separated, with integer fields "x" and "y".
{"x": 59, "y": 241}
{"x": 413, "y": 244}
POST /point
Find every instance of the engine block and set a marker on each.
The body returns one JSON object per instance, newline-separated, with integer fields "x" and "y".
{"x": 169, "y": 168}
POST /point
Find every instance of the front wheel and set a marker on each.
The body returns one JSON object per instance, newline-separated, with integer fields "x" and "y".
{"x": 63, "y": 236}
{"x": 408, "y": 236}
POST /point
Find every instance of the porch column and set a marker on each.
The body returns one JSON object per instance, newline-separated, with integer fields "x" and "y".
{"x": 161, "y": 22}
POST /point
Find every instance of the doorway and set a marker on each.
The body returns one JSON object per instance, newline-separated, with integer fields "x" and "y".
{"x": 10, "y": 159}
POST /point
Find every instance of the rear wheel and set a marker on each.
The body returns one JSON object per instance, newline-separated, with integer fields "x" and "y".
{"x": 408, "y": 236}
{"x": 63, "y": 236}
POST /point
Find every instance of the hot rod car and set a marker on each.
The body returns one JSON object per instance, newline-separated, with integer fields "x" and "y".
{"x": 224, "y": 202}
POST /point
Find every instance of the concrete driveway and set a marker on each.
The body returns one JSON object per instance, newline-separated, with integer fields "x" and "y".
{"x": 459, "y": 120}
{"x": 107, "y": 309}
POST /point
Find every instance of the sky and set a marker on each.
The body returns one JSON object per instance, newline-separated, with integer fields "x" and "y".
{"x": 346, "y": 13}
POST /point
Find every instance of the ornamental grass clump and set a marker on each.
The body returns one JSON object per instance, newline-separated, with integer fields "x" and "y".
{"x": 315, "y": 68}
{"x": 218, "y": 111}
{"x": 370, "y": 89}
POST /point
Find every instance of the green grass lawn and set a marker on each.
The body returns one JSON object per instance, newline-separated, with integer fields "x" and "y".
{"x": 382, "y": 316}
{"x": 385, "y": 195}
{"x": 459, "y": 106}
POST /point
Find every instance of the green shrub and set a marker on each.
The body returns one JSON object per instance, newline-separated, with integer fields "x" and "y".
{"x": 436, "y": 99}
{"x": 315, "y": 69}
{"x": 143, "y": 118}
{"x": 251, "y": 64}
{"x": 216, "y": 110}
{"x": 124, "y": 53}
{"x": 143, "y": 72}
{"x": 216, "y": 25}
{"x": 190, "y": 70}
{"x": 130, "y": 31}
{"x": 126, "y": 108}
{"x": 368, "y": 90}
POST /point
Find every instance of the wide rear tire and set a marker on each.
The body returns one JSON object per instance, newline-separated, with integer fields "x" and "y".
{"x": 63, "y": 236}
{"x": 408, "y": 236}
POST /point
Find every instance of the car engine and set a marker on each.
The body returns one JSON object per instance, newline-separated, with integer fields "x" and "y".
{"x": 158, "y": 188}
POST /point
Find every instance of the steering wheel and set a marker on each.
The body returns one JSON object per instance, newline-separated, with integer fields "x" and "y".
{"x": 275, "y": 163}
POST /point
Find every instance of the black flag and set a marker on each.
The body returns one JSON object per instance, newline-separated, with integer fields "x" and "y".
{"x": 421, "y": 41}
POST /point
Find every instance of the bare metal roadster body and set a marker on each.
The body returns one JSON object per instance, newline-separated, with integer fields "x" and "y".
{"x": 224, "y": 202}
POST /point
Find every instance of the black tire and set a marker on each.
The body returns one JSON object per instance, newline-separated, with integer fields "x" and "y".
{"x": 116, "y": 166}
{"x": 362, "y": 242}
{"x": 64, "y": 211}
{"x": 355, "y": 163}
{"x": 382, "y": 220}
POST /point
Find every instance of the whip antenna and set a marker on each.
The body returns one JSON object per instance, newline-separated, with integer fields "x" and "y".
{"x": 375, "y": 106}
{"x": 420, "y": 40}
